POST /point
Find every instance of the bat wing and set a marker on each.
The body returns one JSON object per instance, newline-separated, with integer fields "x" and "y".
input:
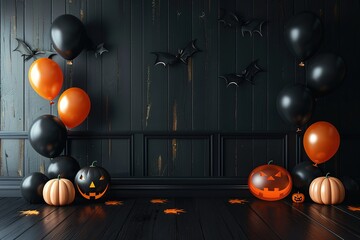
{"x": 252, "y": 26}
{"x": 188, "y": 51}
{"x": 165, "y": 58}
{"x": 229, "y": 19}
{"x": 251, "y": 70}
{"x": 100, "y": 49}
{"x": 24, "y": 49}
{"x": 232, "y": 79}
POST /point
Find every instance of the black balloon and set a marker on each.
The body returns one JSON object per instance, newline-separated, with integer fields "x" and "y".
{"x": 65, "y": 166}
{"x": 326, "y": 72}
{"x": 352, "y": 189}
{"x": 303, "y": 35}
{"x": 32, "y": 187}
{"x": 303, "y": 174}
{"x": 47, "y": 135}
{"x": 295, "y": 104}
{"x": 68, "y": 36}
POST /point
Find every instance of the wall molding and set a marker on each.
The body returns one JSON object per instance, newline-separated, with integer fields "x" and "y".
{"x": 10, "y": 187}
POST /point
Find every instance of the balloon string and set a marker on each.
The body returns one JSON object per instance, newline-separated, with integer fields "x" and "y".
{"x": 51, "y": 104}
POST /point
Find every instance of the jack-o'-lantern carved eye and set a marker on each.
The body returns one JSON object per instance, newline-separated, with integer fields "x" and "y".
{"x": 278, "y": 174}
{"x": 262, "y": 174}
{"x": 82, "y": 177}
{"x": 102, "y": 177}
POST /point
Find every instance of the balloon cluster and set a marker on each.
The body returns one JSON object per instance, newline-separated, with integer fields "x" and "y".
{"x": 48, "y": 133}
{"x": 295, "y": 103}
{"x": 325, "y": 72}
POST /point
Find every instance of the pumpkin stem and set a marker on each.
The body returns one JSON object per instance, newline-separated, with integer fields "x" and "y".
{"x": 59, "y": 176}
{"x": 327, "y": 175}
{"x": 270, "y": 162}
{"x": 93, "y": 164}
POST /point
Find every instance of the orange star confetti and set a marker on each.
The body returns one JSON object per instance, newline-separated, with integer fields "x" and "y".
{"x": 114, "y": 203}
{"x": 237, "y": 201}
{"x": 158, "y": 201}
{"x": 174, "y": 211}
{"x": 352, "y": 208}
{"x": 29, "y": 212}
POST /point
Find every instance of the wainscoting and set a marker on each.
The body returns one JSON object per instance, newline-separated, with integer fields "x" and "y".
{"x": 155, "y": 127}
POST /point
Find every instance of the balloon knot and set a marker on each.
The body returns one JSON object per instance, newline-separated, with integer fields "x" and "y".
{"x": 298, "y": 130}
{"x": 301, "y": 64}
{"x": 315, "y": 165}
{"x": 51, "y": 102}
{"x": 69, "y": 62}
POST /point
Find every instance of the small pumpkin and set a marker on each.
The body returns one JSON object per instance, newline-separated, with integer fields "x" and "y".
{"x": 59, "y": 192}
{"x": 92, "y": 182}
{"x": 298, "y": 197}
{"x": 270, "y": 182}
{"x": 327, "y": 190}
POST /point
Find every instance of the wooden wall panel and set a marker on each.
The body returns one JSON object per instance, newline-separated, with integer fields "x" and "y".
{"x": 194, "y": 158}
{"x": 115, "y": 154}
{"x": 12, "y": 87}
{"x": 133, "y": 98}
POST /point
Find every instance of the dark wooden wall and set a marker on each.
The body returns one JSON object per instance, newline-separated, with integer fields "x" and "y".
{"x": 182, "y": 122}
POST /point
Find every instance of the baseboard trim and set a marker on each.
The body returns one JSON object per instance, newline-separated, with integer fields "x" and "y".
{"x": 137, "y": 187}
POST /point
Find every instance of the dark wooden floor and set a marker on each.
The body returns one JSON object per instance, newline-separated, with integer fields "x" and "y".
{"x": 202, "y": 219}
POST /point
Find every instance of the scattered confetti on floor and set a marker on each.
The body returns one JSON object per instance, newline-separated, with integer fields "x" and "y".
{"x": 352, "y": 208}
{"x": 29, "y": 212}
{"x": 237, "y": 201}
{"x": 114, "y": 203}
{"x": 174, "y": 211}
{"x": 158, "y": 201}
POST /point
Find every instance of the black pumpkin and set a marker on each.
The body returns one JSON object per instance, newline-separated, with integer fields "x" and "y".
{"x": 92, "y": 182}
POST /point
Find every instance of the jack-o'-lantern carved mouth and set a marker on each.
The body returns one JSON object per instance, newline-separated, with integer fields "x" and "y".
{"x": 93, "y": 194}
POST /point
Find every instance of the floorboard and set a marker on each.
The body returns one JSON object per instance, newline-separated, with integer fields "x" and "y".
{"x": 213, "y": 224}
{"x": 289, "y": 223}
{"x": 252, "y": 224}
{"x": 199, "y": 219}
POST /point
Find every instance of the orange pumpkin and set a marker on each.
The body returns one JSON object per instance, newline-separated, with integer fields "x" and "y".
{"x": 327, "y": 190}
{"x": 298, "y": 197}
{"x": 59, "y": 192}
{"x": 270, "y": 182}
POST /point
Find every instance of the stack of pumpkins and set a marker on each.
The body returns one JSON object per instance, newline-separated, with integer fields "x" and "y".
{"x": 63, "y": 179}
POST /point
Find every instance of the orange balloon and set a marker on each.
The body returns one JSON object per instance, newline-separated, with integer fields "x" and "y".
{"x": 46, "y": 78}
{"x": 73, "y": 107}
{"x": 321, "y": 141}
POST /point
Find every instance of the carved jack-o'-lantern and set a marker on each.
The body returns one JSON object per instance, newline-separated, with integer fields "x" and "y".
{"x": 270, "y": 182}
{"x": 298, "y": 197}
{"x": 92, "y": 182}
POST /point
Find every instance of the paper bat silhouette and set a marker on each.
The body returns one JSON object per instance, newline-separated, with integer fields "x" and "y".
{"x": 183, "y": 55}
{"x": 248, "y": 74}
{"x": 230, "y": 19}
{"x": 27, "y": 52}
{"x": 100, "y": 49}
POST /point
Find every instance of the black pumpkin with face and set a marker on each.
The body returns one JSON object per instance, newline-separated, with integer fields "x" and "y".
{"x": 92, "y": 182}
